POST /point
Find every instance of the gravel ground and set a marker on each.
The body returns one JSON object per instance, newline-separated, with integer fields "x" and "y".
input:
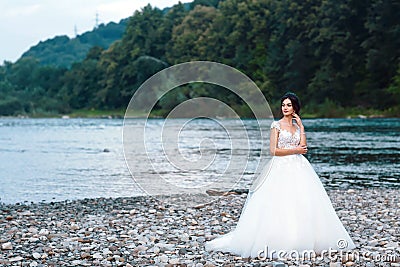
{"x": 141, "y": 231}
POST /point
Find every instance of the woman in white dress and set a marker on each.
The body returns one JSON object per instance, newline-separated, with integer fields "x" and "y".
{"x": 287, "y": 210}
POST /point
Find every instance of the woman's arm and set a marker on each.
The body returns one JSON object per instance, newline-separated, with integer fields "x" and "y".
{"x": 275, "y": 151}
{"x": 303, "y": 139}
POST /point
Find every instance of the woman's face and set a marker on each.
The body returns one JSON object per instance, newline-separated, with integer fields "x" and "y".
{"x": 287, "y": 107}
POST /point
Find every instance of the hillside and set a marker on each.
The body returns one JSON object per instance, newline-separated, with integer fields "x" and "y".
{"x": 62, "y": 51}
{"x": 339, "y": 58}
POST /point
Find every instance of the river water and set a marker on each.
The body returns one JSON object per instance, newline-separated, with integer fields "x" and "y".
{"x": 60, "y": 159}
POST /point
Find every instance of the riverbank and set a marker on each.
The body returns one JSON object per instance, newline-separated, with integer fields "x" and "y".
{"x": 328, "y": 111}
{"x": 141, "y": 231}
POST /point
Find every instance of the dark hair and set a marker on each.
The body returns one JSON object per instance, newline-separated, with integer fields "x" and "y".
{"x": 294, "y": 99}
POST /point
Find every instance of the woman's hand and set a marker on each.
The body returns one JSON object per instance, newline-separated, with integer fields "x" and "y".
{"x": 298, "y": 120}
{"x": 301, "y": 149}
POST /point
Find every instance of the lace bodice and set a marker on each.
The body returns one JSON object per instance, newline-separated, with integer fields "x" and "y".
{"x": 285, "y": 138}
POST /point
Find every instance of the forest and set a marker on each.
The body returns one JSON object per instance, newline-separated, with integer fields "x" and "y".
{"x": 62, "y": 51}
{"x": 340, "y": 57}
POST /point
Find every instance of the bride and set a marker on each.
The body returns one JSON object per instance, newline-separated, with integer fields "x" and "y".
{"x": 287, "y": 209}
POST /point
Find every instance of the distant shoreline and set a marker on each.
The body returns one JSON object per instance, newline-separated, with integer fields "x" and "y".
{"x": 328, "y": 112}
{"x": 121, "y": 116}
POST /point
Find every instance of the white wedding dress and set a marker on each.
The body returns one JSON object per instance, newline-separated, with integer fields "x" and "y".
{"x": 287, "y": 209}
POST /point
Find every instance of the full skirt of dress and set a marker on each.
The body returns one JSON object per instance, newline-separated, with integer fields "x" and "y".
{"x": 287, "y": 209}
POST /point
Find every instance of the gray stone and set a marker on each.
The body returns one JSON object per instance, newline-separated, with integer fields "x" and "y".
{"x": 163, "y": 258}
{"x": 36, "y": 255}
{"x": 17, "y": 258}
{"x": 278, "y": 264}
{"x": 97, "y": 256}
{"x": 7, "y": 246}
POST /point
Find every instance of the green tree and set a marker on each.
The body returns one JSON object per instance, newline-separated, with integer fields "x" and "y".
{"x": 191, "y": 39}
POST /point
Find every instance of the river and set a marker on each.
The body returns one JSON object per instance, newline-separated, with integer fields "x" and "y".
{"x": 59, "y": 159}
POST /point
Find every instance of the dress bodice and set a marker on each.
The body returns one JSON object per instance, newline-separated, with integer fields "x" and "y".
{"x": 286, "y": 139}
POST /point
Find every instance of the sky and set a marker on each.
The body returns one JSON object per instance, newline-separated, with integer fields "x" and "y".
{"x": 24, "y": 23}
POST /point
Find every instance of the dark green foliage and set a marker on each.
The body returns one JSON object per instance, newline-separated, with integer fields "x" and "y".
{"x": 213, "y": 3}
{"x": 336, "y": 55}
{"x": 61, "y": 51}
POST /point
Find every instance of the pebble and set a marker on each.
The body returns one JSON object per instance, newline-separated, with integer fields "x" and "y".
{"x": 33, "y": 230}
{"x": 7, "y": 246}
{"x": 17, "y": 258}
{"x": 140, "y": 231}
{"x": 85, "y": 255}
{"x": 76, "y": 262}
{"x": 74, "y": 226}
{"x": 185, "y": 237}
{"x": 163, "y": 258}
{"x": 44, "y": 232}
{"x": 97, "y": 256}
{"x": 174, "y": 261}
{"x": 36, "y": 255}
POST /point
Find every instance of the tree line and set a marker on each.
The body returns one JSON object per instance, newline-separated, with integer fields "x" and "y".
{"x": 334, "y": 54}
{"x": 62, "y": 51}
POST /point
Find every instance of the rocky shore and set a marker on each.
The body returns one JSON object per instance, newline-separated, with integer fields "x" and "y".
{"x": 141, "y": 231}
